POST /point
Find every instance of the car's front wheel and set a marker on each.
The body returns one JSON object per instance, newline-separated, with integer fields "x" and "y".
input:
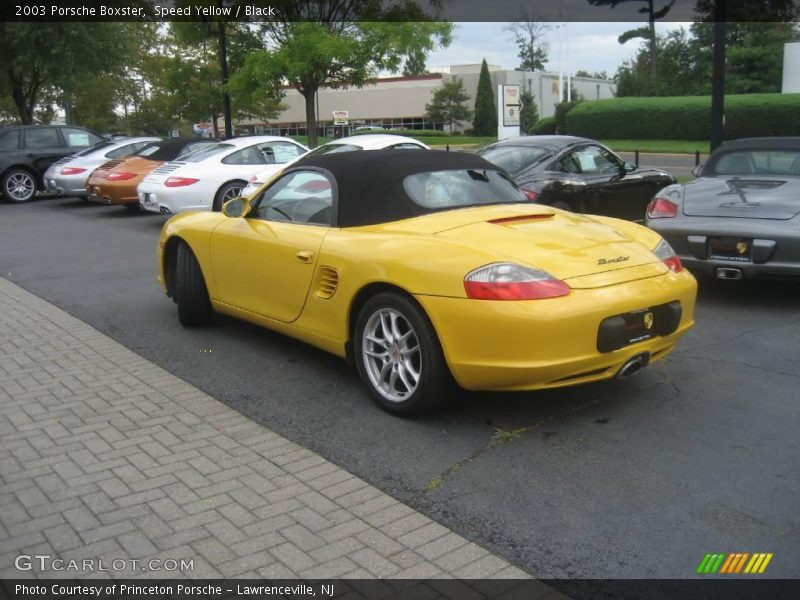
{"x": 19, "y": 185}
{"x": 398, "y": 356}
{"x": 194, "y": 307}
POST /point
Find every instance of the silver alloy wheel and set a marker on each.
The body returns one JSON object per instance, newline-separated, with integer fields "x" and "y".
{"x": 392, "y": 355}
{"x": 232, "y": 192}
{"x": 20, "y": 186}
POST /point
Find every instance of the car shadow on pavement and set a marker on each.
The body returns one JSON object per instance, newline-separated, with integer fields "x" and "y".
{"x": 754, "y": 293}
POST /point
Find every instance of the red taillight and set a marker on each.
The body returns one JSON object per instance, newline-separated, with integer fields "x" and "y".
{"x": 531, "y": 194}
{"x": 71, "y": 170}
{"x": 180, "y": 181}
{"x": 661, "y": 208}
{"x": 120, "y": 176}
{"x": 667, "y": 255}
{"x": 507, "y": 281}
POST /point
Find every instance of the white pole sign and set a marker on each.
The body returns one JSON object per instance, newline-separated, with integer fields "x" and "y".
{"x": 508, "y": 109}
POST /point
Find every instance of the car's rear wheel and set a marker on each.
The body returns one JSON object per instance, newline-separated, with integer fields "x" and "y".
{"x": 398, "y": 356}
{"x": 19, "y": 185}
{"x": 229, "y": 191}
{"x": 194, "y": 307}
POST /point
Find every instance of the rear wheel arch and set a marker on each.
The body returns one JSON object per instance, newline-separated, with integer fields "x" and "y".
{"x": 427, "y": 382}
{"x": 218, "y": 197}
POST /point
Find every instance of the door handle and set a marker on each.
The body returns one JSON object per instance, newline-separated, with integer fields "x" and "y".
{"x": 305, "y": 256}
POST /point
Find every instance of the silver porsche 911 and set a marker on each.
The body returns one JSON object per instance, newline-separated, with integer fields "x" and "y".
{"x": 741, "y": 217}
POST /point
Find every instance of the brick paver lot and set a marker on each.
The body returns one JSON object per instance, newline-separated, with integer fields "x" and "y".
{"x": 107, "y": 456}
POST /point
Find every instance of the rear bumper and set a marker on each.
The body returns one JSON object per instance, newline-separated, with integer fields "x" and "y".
{"x": 67, "y": 185}
{"x": 536, "y": 344}
{"x": 775, "y": 247}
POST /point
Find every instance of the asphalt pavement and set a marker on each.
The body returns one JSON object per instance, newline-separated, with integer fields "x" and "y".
{"x": 641, "y": 478}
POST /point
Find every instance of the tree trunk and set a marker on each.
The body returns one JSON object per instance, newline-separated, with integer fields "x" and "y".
{"x": 652, "y": 40}
{"x": 24, "y": 108}
{"x": 311, "y": 116}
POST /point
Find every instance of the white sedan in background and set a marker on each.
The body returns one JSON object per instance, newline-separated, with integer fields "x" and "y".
{"x": 367, "y": 141}
{"x": 68, "y": 176}
{"x": 206, "y": 179}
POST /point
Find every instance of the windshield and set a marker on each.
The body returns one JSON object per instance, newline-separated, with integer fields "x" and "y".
{"x": 514, "y": 159}
{"x": 758, "y": 162}
{"x": 457, "y": 189}
{"x": 333, "y": 149}
{"x": 205, "y": 153}
{"x": 95, "y": 148}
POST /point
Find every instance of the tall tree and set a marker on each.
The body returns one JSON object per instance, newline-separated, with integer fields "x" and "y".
{"x": 648, "y": 33}
{"x": 755, "y": 35}
{"x": 37, "y": 56}
{"x": 415, "y": 63}
{"x": 529, "y": 37}
{"x": 528, "y": 114}
{"x": 485, "y": 120}
{"x": 339, "y": 43}
{"x": 447, "y": 104}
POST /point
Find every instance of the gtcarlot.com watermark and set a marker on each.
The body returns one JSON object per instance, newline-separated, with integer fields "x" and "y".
{"x": 47, "y": 562}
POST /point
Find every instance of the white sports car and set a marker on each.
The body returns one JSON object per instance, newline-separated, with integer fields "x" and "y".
{"x": 68, "y": 176}
{"x": 369, "y": 141}
{"x": 206, "y": 179}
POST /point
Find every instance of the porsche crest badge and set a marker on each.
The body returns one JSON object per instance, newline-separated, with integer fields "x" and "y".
{"x": 648, "y": 320}
{"x": 741, "y": 247}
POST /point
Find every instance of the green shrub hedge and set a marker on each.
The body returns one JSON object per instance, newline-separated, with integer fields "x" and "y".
{"x": 545, "y": 126}
{"x": 685, "y": 117}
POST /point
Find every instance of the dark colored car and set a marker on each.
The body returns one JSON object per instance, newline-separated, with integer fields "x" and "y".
{"x": 577, "y": 174}
{"x": 27, "y": 151}
{"x": 741, "y": 217}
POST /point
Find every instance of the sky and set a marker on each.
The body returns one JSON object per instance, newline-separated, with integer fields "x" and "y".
{"x": 593, "y": 46}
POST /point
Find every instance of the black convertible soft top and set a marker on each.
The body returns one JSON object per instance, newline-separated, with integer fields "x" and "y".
{"x": 172, "y": 148}
{"x": 370, "y": 183}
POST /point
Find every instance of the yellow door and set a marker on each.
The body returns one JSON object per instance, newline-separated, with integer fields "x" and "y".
{"x": 265, "y": 263}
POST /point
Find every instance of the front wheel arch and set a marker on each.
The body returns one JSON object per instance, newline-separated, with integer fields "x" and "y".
{"x": 170, "y": 264}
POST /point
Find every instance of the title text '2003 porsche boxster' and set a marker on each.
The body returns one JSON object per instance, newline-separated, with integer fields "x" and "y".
{"x": 430, "y": 268}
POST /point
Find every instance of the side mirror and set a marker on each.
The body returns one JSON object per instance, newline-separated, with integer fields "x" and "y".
{"x": 236, "y": 207}
{"x": 697, "y": 169}
{"x": 628, "y": 167}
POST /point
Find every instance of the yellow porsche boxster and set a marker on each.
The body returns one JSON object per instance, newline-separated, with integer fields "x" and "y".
{"x": 427, "y": 269}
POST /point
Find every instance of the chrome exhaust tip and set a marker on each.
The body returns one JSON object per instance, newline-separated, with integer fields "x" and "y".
{"x": 165, "y": 211}
{"x": 728, "y": 273}
{"x": 633, "y": 365}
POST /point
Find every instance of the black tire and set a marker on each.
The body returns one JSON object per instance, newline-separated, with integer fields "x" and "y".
{"x": 226, "y": 192}
{"x": 19, "y": 186}
{"x": 194, "y": 307}
{"x": 435, "y": 386}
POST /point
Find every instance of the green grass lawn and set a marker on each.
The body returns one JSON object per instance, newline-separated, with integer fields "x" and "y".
{"x": 665, "y": 146}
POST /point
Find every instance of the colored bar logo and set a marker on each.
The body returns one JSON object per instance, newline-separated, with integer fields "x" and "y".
{"x": 734, "y": 563}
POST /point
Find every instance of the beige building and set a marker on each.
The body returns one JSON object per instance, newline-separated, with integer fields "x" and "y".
{"x": 399, "y": 102}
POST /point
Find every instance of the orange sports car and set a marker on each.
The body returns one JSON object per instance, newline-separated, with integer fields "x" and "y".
{"x": 115, "y": 181}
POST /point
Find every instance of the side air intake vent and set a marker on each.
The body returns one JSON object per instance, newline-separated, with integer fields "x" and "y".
{"x": 328, "y": 281}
